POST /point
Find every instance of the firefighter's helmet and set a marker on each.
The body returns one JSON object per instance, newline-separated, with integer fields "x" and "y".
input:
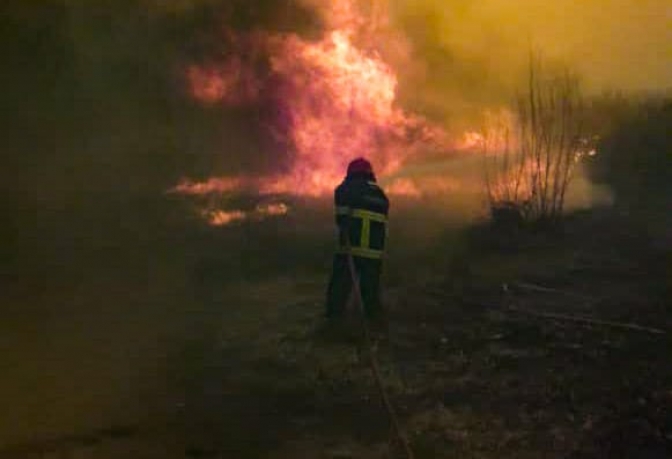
{"x": 360, "y": 166}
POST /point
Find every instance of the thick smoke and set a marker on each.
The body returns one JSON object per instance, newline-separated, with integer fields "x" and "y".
{"x": 478, "y": 48}
{"x": 97, "y": 99}
{"x": 456, "y": 58}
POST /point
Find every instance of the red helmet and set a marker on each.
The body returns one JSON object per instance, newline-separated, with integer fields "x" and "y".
{"x": 360, "y": 165}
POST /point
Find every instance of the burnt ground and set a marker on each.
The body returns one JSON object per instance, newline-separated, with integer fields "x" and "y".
{"x": 471, "y": 361}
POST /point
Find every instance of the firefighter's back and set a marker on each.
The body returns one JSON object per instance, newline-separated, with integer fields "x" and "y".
{"x": 366, "y": 207}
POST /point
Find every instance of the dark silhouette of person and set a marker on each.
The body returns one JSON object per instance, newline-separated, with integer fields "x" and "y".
{"x": 361, "y": 216}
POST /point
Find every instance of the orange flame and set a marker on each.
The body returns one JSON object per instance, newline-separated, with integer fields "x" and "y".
{"x": 336, "y": 102}
{"x": 403, "y": 187}
{"x": 213, "y": 185}
{"x": 220, "y": 217}
{"x": 272, "y": 210}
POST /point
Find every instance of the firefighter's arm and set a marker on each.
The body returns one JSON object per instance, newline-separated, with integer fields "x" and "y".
{"x": 342, "y": 209}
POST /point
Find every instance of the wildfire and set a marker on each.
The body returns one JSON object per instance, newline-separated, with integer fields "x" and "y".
{"x": 335, "y": 100}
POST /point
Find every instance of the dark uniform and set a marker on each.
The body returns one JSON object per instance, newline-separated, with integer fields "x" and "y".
{"x": 361, "y": 214}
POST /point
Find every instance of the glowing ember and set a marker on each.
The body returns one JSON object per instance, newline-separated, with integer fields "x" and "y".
{"x": 272, "y": 209}
{"x": 472, "y": 140}
{"x": 221, "y": 217}
{"x": 213, "y": 185}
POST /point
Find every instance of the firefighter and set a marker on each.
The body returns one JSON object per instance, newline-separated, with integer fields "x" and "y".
{"x": 361, "y": 217}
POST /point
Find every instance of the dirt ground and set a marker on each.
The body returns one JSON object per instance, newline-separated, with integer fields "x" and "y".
{"x": 472, "y": 360}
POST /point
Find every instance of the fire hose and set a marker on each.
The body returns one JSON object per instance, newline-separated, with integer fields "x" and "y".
{"x": 373, "y": 361}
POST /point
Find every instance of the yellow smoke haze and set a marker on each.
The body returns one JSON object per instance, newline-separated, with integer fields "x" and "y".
{"x": 483, "y": 44}
{"x": 470, "y": 51}
{"x": 613, "y": 43}
{"x": 453, "y": 58}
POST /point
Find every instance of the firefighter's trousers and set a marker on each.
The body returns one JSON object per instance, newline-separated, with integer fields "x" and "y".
{"x": 340, "y": 285}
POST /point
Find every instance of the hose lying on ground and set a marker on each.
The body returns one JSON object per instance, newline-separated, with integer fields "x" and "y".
{"x": 373, "y": 361}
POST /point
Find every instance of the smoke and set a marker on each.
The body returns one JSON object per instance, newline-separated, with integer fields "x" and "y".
{"x": 98, "y": 96}
{"x": 476, "y": 50}
{"x": 455, "y": 58}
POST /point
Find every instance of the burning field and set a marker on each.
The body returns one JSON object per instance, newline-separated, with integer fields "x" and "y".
{"x": 170, "y": 170}
{"x": 328, "y": 99}
{"x": 331, "y": 97}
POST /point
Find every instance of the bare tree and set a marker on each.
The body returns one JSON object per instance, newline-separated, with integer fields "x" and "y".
{"x": 530, "y": 160}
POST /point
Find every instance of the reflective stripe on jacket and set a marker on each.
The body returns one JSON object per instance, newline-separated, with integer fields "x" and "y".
{"x": 361, "y": 214}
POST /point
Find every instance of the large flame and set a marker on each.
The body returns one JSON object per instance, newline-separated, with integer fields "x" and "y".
{"x": 336, "y": 102}
{"x": 332, "y": 99}
{"x": 335, "y": 99}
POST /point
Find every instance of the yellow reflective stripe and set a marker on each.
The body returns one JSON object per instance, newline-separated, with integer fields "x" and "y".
{"x": 368, "y": 215}
{"x": 361, "y": 248}
{"x": 362, "y": 252}
{"x": 365, "y": 238}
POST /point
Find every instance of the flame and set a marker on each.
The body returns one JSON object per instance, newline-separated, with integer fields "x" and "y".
{"x": 403, "y": 187}
{"x": 336, "y": 101}
{"x": 218, "y": 217}
{"x": 221, "y": 217}
{"x": 273, "y": 210}
{"x": 342, "y": 103}
{"x": 219, "y": 185}
{"x": 472, "y": 140}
